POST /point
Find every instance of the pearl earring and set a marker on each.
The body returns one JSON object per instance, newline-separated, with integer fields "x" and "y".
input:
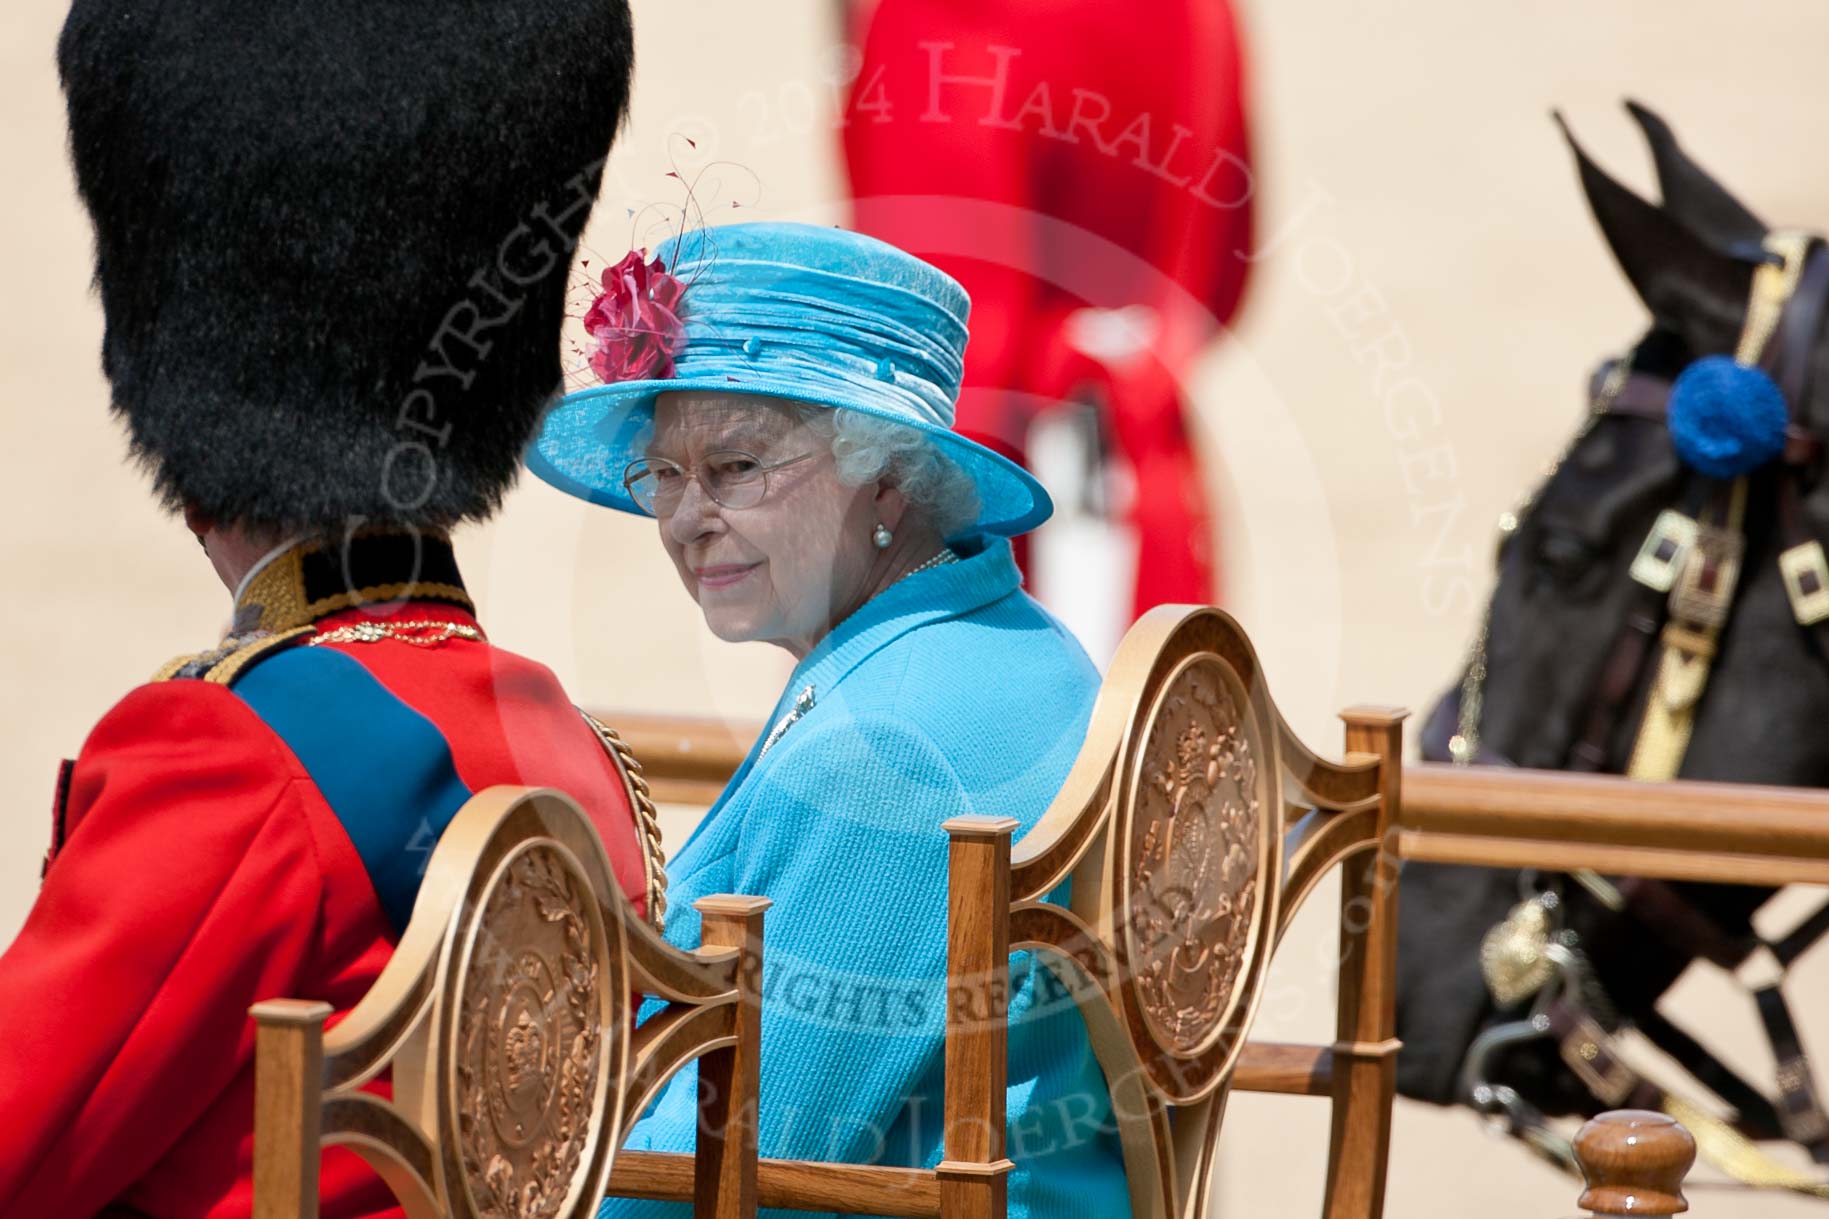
{"x": 882, "y": 537}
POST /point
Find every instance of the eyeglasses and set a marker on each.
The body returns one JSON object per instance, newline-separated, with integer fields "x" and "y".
{"x": 731, "y": 477}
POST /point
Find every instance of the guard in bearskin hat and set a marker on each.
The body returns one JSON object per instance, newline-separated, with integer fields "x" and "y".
{"x": 332, "y": 244}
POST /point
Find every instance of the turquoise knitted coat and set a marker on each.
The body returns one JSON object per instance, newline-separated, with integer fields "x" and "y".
{"x": 951, "y": 692}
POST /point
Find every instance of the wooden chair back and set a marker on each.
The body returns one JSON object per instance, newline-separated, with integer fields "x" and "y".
{"x": 504, "y": 1023}
{"x": 1193, "y": 826}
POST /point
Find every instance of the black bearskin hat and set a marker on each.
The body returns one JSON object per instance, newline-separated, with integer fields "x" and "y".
{"x": 333, "y": 239}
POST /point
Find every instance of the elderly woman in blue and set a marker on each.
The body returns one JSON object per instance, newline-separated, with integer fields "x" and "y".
{"x": 786, "y": 418}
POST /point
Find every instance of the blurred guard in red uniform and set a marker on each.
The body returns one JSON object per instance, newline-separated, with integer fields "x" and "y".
{"x": 332, "y": 241}
{"x": 1082, "y": 167}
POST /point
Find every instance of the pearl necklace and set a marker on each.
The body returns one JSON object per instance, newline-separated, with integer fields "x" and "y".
{"x": 945, "y": 556}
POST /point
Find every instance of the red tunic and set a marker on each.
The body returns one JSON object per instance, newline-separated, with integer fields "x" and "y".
{"x": 1111, "y": 140}
{"x": 207, "y": 858}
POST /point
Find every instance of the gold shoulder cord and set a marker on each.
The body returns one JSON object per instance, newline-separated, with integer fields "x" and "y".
{"x": 647, "y": 820}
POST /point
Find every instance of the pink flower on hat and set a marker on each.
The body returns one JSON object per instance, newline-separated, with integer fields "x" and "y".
{"x": 636, "y": 321}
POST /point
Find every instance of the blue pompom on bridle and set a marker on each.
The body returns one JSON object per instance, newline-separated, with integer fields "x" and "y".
{"x": 1726, "y": 418}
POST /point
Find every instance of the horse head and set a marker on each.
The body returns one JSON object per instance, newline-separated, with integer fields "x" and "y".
{"x": 1565, "y": 581}
{"x": 1584, "y": 604}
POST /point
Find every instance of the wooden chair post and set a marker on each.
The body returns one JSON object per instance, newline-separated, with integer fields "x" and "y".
{"x": 288, "y": 1106}
{"x": 1365, "y": 1048}
{"x": 730, "y": 1078}
{"x": 974, "y": 1176}
{"x": 1634, "y": 1162}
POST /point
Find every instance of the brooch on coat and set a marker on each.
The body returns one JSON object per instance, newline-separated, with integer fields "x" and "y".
{"x": 803, "y": 703}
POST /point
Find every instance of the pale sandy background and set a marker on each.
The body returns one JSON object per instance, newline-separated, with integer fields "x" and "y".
{"x": 1405, "y": 150}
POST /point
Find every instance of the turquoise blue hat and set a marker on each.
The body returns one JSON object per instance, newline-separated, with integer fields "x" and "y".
{"x": 796, "y": 311}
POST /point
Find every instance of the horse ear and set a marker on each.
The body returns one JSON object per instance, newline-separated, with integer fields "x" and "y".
{"x": 1693, "y": 196}
{"x": 1689, "y": 288}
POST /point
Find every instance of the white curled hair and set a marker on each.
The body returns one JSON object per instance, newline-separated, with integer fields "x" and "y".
{"x": 868, "y": 449}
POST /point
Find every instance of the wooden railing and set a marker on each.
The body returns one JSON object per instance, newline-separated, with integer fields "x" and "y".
{"x": 1726, "y": 832}
{"x": 1731, "y": 833}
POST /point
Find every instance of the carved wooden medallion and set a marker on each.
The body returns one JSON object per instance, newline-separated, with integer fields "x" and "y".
{"x": 1201, "y": 856}
{"x": 528, "y": 1036}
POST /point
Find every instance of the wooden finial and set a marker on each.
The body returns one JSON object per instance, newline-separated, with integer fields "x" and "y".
{"x": 1634, "y": 1161}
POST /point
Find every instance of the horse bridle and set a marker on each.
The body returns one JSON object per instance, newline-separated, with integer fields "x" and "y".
{"x": 1661, "y": 573}
{"x": 1618, "y": 390}
{"x": 1684, "y": 580}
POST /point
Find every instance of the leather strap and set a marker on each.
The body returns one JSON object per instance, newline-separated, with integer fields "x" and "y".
{"x": 1755, "y": 1115}
{"x": 1682, "y": 925}
{"x": 1619, "y": 676}
{"x": 1700, "y": 604}
{"x": 1787, "y": 357}
{"x": 1644, "y": 396}
{"x": 1799, "y": 939}
{"x": 1799, "y": 1109}
{"x": 1644, "y": 619}
{"x": 1799, "y": 1113}
{"x": 1589, "y": 1051}
{"x": 1640, "y": 395}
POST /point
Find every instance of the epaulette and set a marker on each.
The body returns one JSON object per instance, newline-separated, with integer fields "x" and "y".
{"x": 234, "y": 656}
